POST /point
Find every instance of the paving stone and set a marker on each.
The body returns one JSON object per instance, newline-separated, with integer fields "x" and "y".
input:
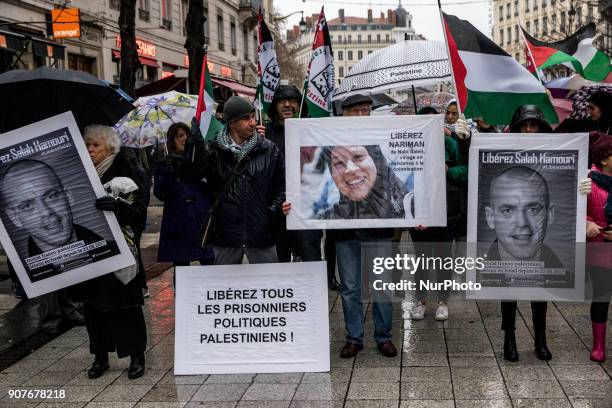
{"x": 107, "y": 378}
{"x": 486, "y": 373}
{"x": 14, "y": 379}
{"x": 151, "y": 376}
{"x": 591, "y": 403}
{"x": 493, "y": 403}
{"x": 79, "y": 393}
{"x": 424, "y": 360}
{"x": 542, "y": 389}
{"x": 440, "y": 390}
{"x": 263, "y": 404}
{"x": 121, "y": 393}
{"x": 527, "y": 372}
{"x": 427, "y": 404}
{"x": 220, "y": 392}
{"x": 479, "y": 390}
{"x": 230, "y": 378}
{"x": 264, "y": 392}
{"x": 180, "y": 405}
{"x": 425, "y": 374}
{"x": 580, "y": 372}
{"x": 170, "y": 378}
{"x": 542, "y": 403}
{"x": 373, "y": 391}
{"x": 64, "y": 405}
{"x": 56, "y": 378}
{"x": 320, "y": 391}
{"x": 285, "y": 378}
{"x": 587, "y": 389}
{"x": 110, "y": 404}
{"x": 317, "y": 404}
{"x": 376, "y": 375}
{"x": 371, "y": 404}
{"x": 170, "y": 393}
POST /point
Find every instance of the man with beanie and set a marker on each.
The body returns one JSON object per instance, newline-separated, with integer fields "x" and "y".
{"x": 348, "y": 244}
{"x": 246, "y": 175}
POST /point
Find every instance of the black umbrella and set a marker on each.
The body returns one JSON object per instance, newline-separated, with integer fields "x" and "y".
{"x": 31, "y": 96}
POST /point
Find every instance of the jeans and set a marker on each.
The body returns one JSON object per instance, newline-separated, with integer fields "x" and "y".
{"x": 233, "y": 256}
{"x": 438, "y": 242}
{"x": 348, "y": 254}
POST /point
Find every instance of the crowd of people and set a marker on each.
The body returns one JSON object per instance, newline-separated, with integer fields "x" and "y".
{"x": 224, "y": 200}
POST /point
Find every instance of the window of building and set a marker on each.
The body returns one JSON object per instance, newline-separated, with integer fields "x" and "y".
{"x": 245, "y": 42}
{"x": 386, "y": 37}
{"x": 536, "y": 27}
{"x": 535, "y": 4}
{"x": 340, "y": 56}
{"x": 233, "y": 41}
{"x": 341, "y": 72}
{"x": 377, "y": 38}
{"x": 184, "y": 11}
{"x": 543, "y": 3}
{"x": 369, "y": 38}
{"x": 508, "y": 10}
{"x": 501, "y": 12}
{"x": 516, "y": 33}
{"x": 255, "y": 45}
{"x": 114, "y": 4}
{"x": 359, "y": 39}
{"x": 517, "y": 56}
{"x": 206, "y": 26}
{"x": 578, "y": 15}
{"x": 528, "y": 27}
{"x": 509, "y": 34}
{"x": 526, "y": 6}
{"x": 501, "y": 37}
{"x": 166, "y": 13}
{"x": 350, "y": 55}
{"x": 369, "y": 52}
{"x": 339, "y": 39}
{"x": 81, "y": 63}
{"x": 349, "y": 39}
{"x": 545, "y": 25}
{"x": 563, "y": 18}
{"x": 516, "y": 8}
{"x": 589, "y": 13}
{"x": 144, "y": 13}
{"x": 552, "y": 2}
{"x": 220, "y": 30}
{"x": 359, "y": 55}
{"x": 553, "y": 22}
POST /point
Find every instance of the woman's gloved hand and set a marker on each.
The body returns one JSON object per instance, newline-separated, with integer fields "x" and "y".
{"x": 585, "y": 186}
{"x": 106, "y": 203}
{"x": 462, "y": 129}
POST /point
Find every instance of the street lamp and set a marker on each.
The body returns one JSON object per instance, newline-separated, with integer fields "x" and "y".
{"x": 302, "y": 22}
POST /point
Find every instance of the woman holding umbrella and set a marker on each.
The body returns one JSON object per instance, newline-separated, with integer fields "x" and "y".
{"x": 113, "y": 310}
{"x": 186, "y": 206}
{"x": 599, "y": 109}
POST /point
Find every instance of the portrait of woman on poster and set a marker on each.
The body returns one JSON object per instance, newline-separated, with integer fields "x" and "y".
{"x": 368, "y": 187}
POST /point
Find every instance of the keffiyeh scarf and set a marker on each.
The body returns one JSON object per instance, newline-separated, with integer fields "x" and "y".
{"x": 240, "y": 152}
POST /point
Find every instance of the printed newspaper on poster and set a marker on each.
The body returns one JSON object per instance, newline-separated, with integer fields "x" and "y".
{"x": 365, "y": 172}
{"x": 526, "y": 217}
{"x": 50, "y": 229}
{"x": 258, "y": 318}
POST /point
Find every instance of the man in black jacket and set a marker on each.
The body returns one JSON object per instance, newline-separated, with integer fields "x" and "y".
{"x": 246, "y": 172}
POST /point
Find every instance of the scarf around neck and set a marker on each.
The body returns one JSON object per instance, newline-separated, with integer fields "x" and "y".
{"x": 240, "y": 152}
{"x": 104, "y": 165}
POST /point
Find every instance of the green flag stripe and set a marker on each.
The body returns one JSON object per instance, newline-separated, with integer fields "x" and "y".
{"x": 498, "y": 107}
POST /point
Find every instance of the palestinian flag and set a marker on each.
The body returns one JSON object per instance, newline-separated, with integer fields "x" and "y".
{"x": 489, "y": 82}
{"x": 320, "y": 86}
{"x": 267, "y": 66}
{"x": 209, "y": 125}
{"x": 576, "y": 52}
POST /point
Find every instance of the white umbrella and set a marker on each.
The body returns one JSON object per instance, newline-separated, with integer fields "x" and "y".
{"x": 405, "y": 64}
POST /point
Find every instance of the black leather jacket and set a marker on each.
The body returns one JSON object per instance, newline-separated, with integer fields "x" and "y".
{"x": 249, "y": 212}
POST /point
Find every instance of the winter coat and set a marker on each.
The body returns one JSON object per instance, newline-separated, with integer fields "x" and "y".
{"x": 106, "y": 292}
{"x": 186, "y": 209}
{"x": 250, "y": 210}
{"x": 598, "y": 255}
{"x": 584, "y": 125}
{"x": 456, "y": 186}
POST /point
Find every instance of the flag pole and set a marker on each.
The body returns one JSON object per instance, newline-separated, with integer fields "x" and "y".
{"x": 450, "y": 62}
{"x": 260, "y": 109}
{"x": 535, "y": 67}
{"x": 304, "y": 89}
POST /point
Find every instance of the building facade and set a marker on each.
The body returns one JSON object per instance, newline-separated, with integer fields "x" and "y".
{"x": 546, "y": 20}
{"x": 354, "y": 37}
{"x": 231, "y": 37}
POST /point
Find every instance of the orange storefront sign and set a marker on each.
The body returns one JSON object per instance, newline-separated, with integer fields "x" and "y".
{"x": 143, "y": 48}
{"x": 66, "y": 23}
{"x": 3, "y": 42}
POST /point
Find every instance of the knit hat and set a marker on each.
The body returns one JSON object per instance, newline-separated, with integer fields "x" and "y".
{"x": 356, "y": 99}
{"x": 236, "y": 108}
{"x": 283, "y": 92}
{"x": 600, "y": 149}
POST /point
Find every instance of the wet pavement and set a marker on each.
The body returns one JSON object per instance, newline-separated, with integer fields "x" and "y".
{"x": 457, "y": 363}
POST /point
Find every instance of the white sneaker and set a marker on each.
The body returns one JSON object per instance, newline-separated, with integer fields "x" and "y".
{"x": 442, "y": 311}
{"x": 418, "y": 313}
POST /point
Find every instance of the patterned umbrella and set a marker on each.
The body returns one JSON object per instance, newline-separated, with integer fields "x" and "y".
{"x": 579, "y": 99}
{"x": 148, "y": 123}
{"x": 437, "y": 100}
{"x": 400, "y": 65}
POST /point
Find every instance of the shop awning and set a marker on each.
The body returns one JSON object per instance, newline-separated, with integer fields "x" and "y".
{"x": 44, "y": 48}
{"x": 242, "y": 90}
{"x": 143, "y": 60}
{"x": 12, "y": 41}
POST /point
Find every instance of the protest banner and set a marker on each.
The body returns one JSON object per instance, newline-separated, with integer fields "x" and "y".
{"x": 526, "y": 217}
{"x": 365, "y": 172}
{"x": 258, "y": 318}
{"x": 49, "y": 227}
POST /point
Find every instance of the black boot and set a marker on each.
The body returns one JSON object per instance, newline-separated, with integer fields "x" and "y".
{"x": 99, "y": 366}
{"x": 137, "y": 366}
{"x": 510, "y": 351}
{"x": 538, "y": 310}
{"x": 333, "y": 284}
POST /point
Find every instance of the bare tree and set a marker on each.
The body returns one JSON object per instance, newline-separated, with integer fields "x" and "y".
{"x": 286, "y": 55}
{"x": 194, "y": 44}
{"x": 129, "y": 55}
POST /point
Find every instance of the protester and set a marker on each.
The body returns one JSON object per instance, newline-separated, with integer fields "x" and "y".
{"x": 246, "y": 175}
{"x": 599, "y": 120}
{"x": 528, "y": 119}
{"x": 186, "y": 206}
{"x": 438, "y": 241}
{"x": 599, "y": 251}
{"x": 348, "y": 252}
{"x": 305, "y": 244}
{"x": 113, "y": 310}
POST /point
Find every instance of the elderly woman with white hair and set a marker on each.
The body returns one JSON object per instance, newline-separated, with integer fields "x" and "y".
{"x": 113, "y": 310}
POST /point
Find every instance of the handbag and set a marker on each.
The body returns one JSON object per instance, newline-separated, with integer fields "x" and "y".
{"x": 206, "y": 232}
{"x": 125, "y": 275}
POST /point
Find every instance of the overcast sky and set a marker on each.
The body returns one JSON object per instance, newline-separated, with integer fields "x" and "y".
{"x": 426, "y": 20}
